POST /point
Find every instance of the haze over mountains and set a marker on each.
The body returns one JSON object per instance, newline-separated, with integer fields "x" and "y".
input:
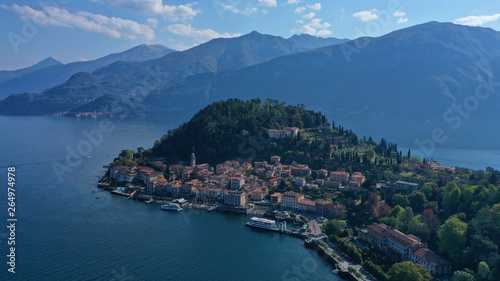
{"x": 7, "y": 74}
{"x": 422, "y": 72}
{"x": 414, "y": 73}
{"x": 50, "y": 72}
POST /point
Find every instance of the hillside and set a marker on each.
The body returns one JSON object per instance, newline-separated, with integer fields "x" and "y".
{"x": 234, "y": 128}
{"x": 42, "y": 78}
{"x": 10, "y": 74}
{"x": 141, "y": 77}
{"x": 432, "y": 67}
{"x": 216, "y": 132}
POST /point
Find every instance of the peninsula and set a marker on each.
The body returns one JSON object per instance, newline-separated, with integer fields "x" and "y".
{"x": 390, "y": 215}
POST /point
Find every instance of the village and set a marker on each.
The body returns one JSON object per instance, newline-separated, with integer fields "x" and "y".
{"x": 240, "y": 186}
{"x": 237, "y": 185}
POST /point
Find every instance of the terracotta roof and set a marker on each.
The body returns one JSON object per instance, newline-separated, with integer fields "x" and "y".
{"x": 307, "y": 202}
{"x": 292, "y": 194}
{"x": 430, "y": 257}
{"x": 323, "y": 202}
{"x": 403, "y": 238}
{"x": 377, "y": 227}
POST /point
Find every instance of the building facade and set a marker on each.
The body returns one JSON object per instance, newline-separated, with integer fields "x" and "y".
{"x": 406, "y": 247}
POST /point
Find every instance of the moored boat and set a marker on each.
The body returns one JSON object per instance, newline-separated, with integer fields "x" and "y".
{"x": 171, "y": 207}
{"x": 263, "y": 224}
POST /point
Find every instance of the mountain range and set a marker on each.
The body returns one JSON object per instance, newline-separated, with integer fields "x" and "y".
{"x": 7, "y": 74}
{"x": 126, "y": 82}
{"x": 50, "y": 72}
{"x": 425, "y": 72}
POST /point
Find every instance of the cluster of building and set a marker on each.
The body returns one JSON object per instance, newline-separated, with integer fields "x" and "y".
{"x": 428, "y": 165}
{"x": 341, "y": 179}
{"x": 404, "y": 247}
{"x": 297, "y": 202}
{"x": 235, "y": 183}
{"x": 287, "y": 132}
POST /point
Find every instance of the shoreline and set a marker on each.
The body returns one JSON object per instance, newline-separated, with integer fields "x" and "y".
{"x": 326, "y": 255}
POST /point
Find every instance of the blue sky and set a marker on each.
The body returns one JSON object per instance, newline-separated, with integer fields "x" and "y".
{"x": 88, "y": 29}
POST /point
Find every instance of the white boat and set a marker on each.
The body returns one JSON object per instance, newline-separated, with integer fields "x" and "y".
{"x": 262, "y": 223}
{"x": 171, "y": 207}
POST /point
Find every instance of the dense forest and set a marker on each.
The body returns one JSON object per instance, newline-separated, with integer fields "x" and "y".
{"x": 216, "y": 132}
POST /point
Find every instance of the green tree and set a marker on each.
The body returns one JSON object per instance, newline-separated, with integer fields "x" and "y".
{"x": 304, "y": 219}
{"x": 417, "y": 201}
{"x": 401, "y": 200}
{"x": 127, "y": 154}
{"x": 452, "y": 237}
{"x": 483, "y": 272}
{"x": 428, "y": 189}
{"x": 451, "y": 199}
{"x": 334, "y": 227}
{"x": 370, "y": 154}
{"x": 395, "y": 211}
{"x": 408, "y": 271}
{"x": 462, "y": 276}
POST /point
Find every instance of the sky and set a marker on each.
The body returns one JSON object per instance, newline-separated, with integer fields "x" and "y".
{"x": 79, "y": 30}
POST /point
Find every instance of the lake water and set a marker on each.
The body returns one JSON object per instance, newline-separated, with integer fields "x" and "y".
{"x": 68, "y": 230}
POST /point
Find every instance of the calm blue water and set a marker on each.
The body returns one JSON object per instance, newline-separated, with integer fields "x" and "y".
{"x": 64, "y": 233}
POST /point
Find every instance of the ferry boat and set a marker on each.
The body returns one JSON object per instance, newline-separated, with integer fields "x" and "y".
{"x": 171, "y": 207}
{"x": 263, "y": 224}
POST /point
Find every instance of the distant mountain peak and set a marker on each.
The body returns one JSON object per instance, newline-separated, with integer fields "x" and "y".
{"x": 254, "y": 34}
{"x": 49, "y": 61}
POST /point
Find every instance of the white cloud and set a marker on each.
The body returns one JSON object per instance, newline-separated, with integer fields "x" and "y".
{"x": 114, "y": 27}
{"x": 247, "y": 12}
{"x": 399, "y": 14}
{"x": 152, "y": 22}
{"x": 402, "y": 20}
{"x": 309, "y": 15}
{"x": 81, "y": 59}
{"x": 293, "y": 2}
{"x": 315, "y": 27}
{"x": 323, "y": 32}
{"x": 179, "y": 46}
{"x": 316, "y": 23}
{"x": 299, "y": 10}
{"x": 477, "y": 20}
{"x": 156, "y": 7}
{"x": 367, "y": 15}
{"x": 315, "y": 7}
{"x": 268, "y": 3}
{"x": 201, "y": 35}
{"x": 299, "y": 21}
